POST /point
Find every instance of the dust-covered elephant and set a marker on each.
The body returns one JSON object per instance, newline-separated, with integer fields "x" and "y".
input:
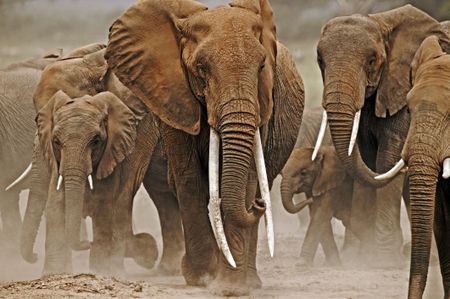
{"x": 427, "y": 154}
{"x": 122, "y": 160}
{"x": 329, "y": 193}
{"x": 365, "y": 63}
{"x": 17, "y": 131}
{"x": 222, "y": 84}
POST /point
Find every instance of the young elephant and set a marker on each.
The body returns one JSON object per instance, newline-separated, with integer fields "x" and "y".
{"x": 90, "y": 143}
{"x": 329, "y": 194}
{"x": 427, "y": 154}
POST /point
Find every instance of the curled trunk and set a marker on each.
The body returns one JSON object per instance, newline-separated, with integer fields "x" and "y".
{"x": 287, "y": 196}
{"x": 238, "y": 136}
{"x": 341, "y": 118}
{"x": 423, "y": 175}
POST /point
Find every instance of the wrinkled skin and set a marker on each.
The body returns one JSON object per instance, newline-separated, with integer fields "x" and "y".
{"x": 365, "y": 64}
{"x": 233, "y": 77}
{"x": 17, "y": 82}
{"x": 78, "y": 76}
{"x": 426, "y": 147}
{"x": 329, "y": 191}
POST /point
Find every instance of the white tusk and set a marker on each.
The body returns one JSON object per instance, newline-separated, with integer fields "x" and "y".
{"x": 393, "y": 172}
{"x": 60, "y": 179}
{"x": 264, "y": 189}
{"x": 354, "y": 132}
{"x": 446, "y": 171}
{"x": 91, "y": 183}
{"x": 214, "y": 200}
{"x": 323, "y": 127}
{"x": 20, "y": 178}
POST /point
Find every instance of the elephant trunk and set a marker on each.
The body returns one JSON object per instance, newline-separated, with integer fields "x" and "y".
{"x": 287, "y": 196}
{"x": 341, "y": 121}
{"x": 37, "y": 199}
{"x": 237, "y": 130}
{"x": 74, "y": 186}
{"x": 423, "y": 176}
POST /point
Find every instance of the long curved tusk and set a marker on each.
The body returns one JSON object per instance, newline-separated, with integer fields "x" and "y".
{"x": 91, "y": 183}
{"x": 60, "y": 179}
{"x": 20, "y": 178}
{"x": 354, "y": 132}
{"x": 393, "y": 172}
{"x": 446, "y": 171}
{"x": 214, "y": 200}
{"x": 323, "y": 127}
{"x": 264, "y": 189}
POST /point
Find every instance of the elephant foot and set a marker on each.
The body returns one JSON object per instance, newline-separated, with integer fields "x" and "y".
{"x": 228, "y": 289}
{"x": 304, "y": 263}
{"x": 169, "y": 269}
{"x": 231, "y": 282}
{"x": 253, "y": 280}
{"x": 143, "y": 249}
{"x": 200, "y": 274}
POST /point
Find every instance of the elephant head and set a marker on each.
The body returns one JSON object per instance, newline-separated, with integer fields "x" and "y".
{"x": 313, "y": 177}
{"x": 366, "y": 59}
{"x": 186, "y": 62}
{"x": 426, "y": 150}
{"x": 84, "y": 137}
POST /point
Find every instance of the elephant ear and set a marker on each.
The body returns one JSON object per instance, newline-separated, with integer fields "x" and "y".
{"x": 331, "y": 174}
{"x": 428, "y": 50}
{"x": 121, "y": 129}
{"x": 143, "y": 52}
{"x": 44, "y": 121}
{"x": 288, "y": 104}
{"x": 269, "y": 41}
{"x": 404, "y": 29}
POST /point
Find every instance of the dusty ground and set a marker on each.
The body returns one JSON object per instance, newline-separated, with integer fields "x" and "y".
{"x": 282, "y": 277}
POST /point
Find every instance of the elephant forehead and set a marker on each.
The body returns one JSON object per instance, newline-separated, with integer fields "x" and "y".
{"x": 77, "y": 111}
{"x": 225, "y": 19}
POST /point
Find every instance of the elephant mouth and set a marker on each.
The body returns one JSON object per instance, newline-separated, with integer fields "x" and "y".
{"x": 260, "y": 205}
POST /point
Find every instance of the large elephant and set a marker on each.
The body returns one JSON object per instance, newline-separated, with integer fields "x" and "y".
{"x": 329, "y": 193}
{"x": 17, "y": 131}
{"x": 365, "y": 63}
{"x": 214, "y": 76}
{"x": 123, "y": 161}
{"x": 427, "y": 154}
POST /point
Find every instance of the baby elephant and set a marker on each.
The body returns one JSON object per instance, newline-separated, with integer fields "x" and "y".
{"x": 329, "y": 194}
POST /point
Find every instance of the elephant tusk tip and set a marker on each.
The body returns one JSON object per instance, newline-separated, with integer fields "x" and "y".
{"x": 446, "y": 175}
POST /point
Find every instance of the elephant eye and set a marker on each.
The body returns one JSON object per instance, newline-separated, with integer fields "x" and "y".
{"x": 96, "y": 140}
{"x": 303, "y": 172}
{"x": 372, "y": 60}
{"x": 261, "y": 67}
{"x": 56, "y": 143}
{"x": 201, "y": 69}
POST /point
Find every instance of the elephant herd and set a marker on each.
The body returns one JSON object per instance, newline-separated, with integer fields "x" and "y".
{"x": 203, "y": 107}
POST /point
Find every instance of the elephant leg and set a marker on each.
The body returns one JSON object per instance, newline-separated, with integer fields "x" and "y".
{"x": 351, "y": 242}
{"x": 329, "y": 245}
{"x": 320, "y": 214}
{"x": 362, "y": 219}
{"x": 170, "y": 219}
{"x": 11, "y": 220}
{"x": 58, "y": 256}
{"x": 199, "y": 263}
{"x": 442, "y": 236}
{"x": 388, "y": 233}
{"x": 100, "y": 253}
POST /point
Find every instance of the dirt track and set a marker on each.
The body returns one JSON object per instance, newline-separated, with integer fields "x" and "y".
{"x": 281, "y": 276}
